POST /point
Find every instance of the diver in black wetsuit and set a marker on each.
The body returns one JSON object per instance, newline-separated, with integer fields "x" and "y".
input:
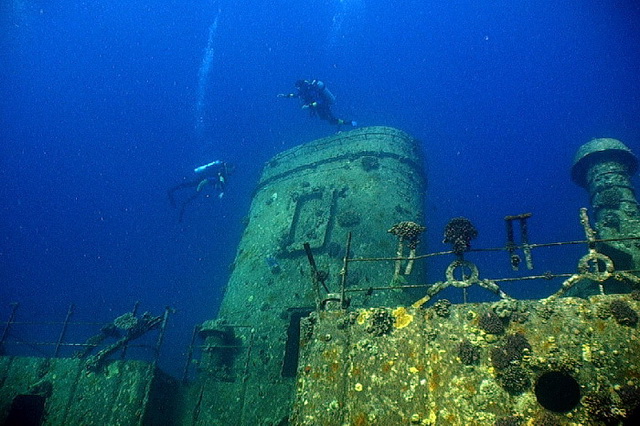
{"x": 214, "y": 173}
{"x": 318, "y": 99}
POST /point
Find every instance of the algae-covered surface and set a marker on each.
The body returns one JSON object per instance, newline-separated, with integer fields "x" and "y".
{"x": 287, "y": 348}
{"x": 67, "y": 393}
{"x": 361, "y": 182}
{"x": 440, "y": 365}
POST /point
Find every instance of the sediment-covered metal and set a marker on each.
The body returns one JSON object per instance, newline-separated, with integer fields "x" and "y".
{"x": 567, "y": 361}
{"x": 604, "y": 167}
{"x": 61, "y": 391}
{"x": 363, "y": 181}
{"x": 287, "y": 349}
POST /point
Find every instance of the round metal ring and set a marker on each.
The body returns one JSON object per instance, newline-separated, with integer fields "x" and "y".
{"x": 585, "y": 270}
{"x": 472, "y": 279}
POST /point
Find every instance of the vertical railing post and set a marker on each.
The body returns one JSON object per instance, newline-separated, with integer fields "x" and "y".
{"x": 163, "y": 327}
{"x": 344, "y": 272}
{"x": 185, "y": 371}
{"x": 63, "y": 331}
{"x": 5, "y": 332}
{"x": 134, "y": 312}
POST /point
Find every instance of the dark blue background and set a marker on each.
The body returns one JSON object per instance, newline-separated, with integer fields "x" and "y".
{"x": 99, "y": 117}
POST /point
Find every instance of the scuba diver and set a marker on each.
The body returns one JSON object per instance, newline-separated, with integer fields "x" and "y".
{"x": 318, "y": 99}
{"x": 214, "y": 173}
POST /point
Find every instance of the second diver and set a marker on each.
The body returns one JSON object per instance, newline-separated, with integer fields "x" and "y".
{"x": 214, "y": 174}
{"x": 318, "y": 100}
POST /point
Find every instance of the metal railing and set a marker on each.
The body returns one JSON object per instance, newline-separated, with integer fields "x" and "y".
{"x": 121, "y": 332}
{"x": 594, "y": 266}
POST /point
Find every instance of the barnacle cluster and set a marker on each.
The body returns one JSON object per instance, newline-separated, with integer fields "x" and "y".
{"x": 499, "y": 358}
{"x": 511, "y": 309}
{"x": 347, "y": 321}
{"x": 468, "y": 353}
{"x": 546, "y": 419}
{"x": 545, "y": 311}
{"x": 514, "y": 379}
{"x": 307, "y": 327}
{"x": 459, "y": 232}
{"x": 491, "y": 323}
{"x": 623, "y": 313}
{"x": 601, "y": 407}
{"x": 517, "y": 344}
{"x": 630, "y": 397}
{"x": 509, "y": 421}
{"x": 408, "y": 231}
{"x": 442, "y": 308}
{"x": 381, "y": 323}
{"x": 511, "y": 352}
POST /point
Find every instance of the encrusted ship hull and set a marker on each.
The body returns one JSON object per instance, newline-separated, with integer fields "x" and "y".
{"x": 318, "y": 329}
{"x": 567, "y": 361}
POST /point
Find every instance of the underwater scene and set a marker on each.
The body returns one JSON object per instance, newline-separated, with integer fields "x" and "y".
{"x": 331, "y": 212}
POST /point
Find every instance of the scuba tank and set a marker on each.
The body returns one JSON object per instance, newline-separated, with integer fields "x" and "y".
{"x": 328, "y": 97}
{"x": 206, "y": 166}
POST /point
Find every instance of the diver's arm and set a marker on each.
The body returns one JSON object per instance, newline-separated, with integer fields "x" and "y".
{"x": 202, "y": 184}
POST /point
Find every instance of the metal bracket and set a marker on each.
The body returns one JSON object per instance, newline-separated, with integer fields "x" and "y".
{"x": 593, "y": 266}
{"x": 472, "y": 279}
{"x": 514, "y": 259}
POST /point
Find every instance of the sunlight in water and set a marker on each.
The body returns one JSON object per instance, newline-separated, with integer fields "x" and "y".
{"x": 346, "y": 13}
{"x": 203, "y": 75}
{"x": 20, "y": 12}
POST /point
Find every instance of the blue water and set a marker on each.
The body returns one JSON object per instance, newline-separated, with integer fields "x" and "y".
{"x": 105, "y": 105}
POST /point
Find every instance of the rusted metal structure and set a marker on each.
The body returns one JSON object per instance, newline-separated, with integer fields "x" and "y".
{"x": 328, "y": 318}
{"x": 604, "y": 167}
{"x": 306, "y": 202}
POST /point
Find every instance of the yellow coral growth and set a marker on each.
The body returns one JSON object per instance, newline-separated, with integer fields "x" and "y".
{"x": 403, "y": 318}
{"x": 362, "y": 317}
